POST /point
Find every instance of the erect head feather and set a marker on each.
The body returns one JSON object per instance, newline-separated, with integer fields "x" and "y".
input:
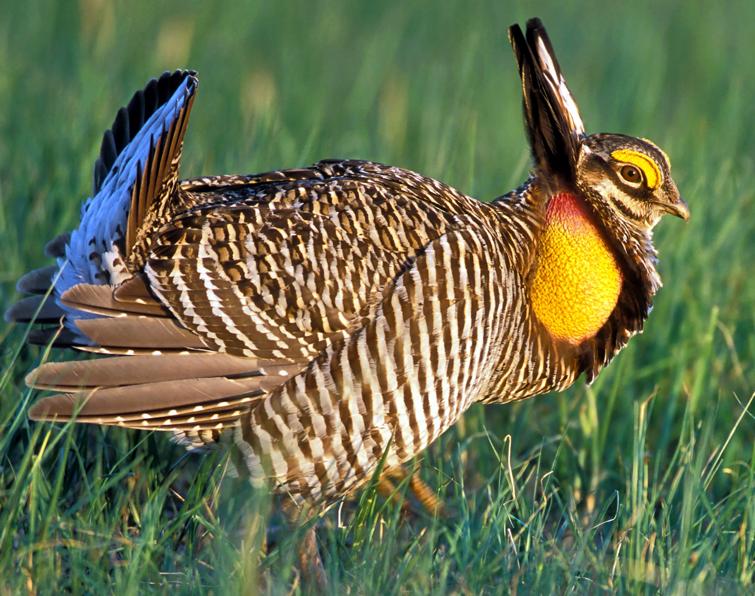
{"x": 554, "y": 125}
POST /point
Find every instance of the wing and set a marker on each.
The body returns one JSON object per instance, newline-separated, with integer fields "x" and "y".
{"x": 392, "y": 385}
{"x": 281, "y": 272}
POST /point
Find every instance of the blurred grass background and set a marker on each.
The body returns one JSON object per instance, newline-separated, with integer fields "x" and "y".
{"x": 643, "y": 482}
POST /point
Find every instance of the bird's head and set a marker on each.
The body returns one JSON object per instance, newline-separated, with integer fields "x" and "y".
{"x": 627, "y": 181}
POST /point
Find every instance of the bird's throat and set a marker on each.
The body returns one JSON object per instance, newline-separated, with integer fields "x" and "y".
{"x": 577, "y": 279}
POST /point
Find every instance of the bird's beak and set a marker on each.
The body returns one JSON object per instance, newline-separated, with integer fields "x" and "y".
{"x": 679, "y": 208}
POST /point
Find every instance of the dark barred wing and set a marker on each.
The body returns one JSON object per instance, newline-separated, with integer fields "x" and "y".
{"x": 281, "y": 270}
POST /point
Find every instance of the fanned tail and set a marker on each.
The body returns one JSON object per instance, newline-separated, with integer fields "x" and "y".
{"x": 136, "y": 173}
{"x": 137, "y": 168}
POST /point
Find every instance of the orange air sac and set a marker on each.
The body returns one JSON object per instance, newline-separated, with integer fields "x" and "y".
{"x": 577, "y": 278}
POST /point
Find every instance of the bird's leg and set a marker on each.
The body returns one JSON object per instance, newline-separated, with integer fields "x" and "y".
{"x": 310, "y": 562}
{"x": 310, "y": 565}
{"x": 421, "y": 491}
{"x": 426, "y": 496}
{"x": 387, "y": 490}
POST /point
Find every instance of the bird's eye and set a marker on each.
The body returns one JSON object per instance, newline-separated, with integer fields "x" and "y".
{"x": 631, "y": 174}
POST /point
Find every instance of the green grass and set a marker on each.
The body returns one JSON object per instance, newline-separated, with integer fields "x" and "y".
{"x": 643, "y": 482}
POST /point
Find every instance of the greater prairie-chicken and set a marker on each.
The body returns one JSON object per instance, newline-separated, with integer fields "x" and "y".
{"x": 324, "y": 318}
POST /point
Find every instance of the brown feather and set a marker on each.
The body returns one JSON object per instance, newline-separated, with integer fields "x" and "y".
{"x": 99, "y": 299}
{"x": 135, "y": 290}
{"x": 139, "y": 333}
{"x": 139, "y": 399}
{"x": 129, "y": 370}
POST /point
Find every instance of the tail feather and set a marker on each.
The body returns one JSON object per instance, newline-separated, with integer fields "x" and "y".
{"x": 55, "y": 337}
{"x": 95, "y": 253}
{"x": 37, "y": 281}
{"x": 96, "y": 250}
{"x": 57, "y": 246}
{"x": 36, "y": 308}
{"x": 158, "y": 176}
{"x": 162, "y": 377}
{"x": 131, "y": 120}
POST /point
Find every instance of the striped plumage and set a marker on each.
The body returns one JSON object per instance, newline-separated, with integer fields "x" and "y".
{"x": 325, "y": 317}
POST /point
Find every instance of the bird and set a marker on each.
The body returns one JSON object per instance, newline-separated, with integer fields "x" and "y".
{"x": 329, "y": 322}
